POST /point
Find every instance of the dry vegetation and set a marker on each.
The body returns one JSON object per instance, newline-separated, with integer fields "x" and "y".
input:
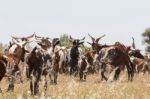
{"x": 71, "y": 88}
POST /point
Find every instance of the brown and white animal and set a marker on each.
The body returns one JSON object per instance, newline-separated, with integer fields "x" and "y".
{"x": 55, "y": 66}
{"x": 103, "y": 51}
{"x": 57, "y": 56}
{"x": 18, "y": 50}
{"x": 141, "y": 63}
{"x": 61, "y": 50}
{"x": 83, "y": 67}
{"x": 117, "y": 56}
{"x": 90, "y": 56}
{"x": 35, "y": 62}
{"x": 7, "y": 69}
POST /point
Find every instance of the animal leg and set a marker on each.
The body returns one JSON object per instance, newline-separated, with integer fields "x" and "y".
{"x": 11, "y": 84}
{"x": 103, "y": 75}
{"x": 31, "y": 86}
{"x": 55, "y": 77}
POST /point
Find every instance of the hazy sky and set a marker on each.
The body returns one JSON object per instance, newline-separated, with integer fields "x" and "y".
{"x": 118, "y": 19}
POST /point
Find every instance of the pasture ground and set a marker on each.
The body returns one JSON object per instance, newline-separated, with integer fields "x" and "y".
{"x": 69, "y": 87}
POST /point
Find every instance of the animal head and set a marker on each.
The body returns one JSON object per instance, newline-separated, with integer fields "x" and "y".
{"x": 45, "y": 43}
{"x": 77, "y": 42}
{"x": 19, "y": 50}
{"x": 136, "y": 53}
{"x": 95, "y": 41}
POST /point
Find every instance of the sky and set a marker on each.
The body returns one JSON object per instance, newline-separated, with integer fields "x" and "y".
{"x": 118, "y": 19}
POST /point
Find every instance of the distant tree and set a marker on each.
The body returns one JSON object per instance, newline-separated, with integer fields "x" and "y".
{"x": 2, "y": 47}
{"x": 146, "y": 39}
{"x": 64, "y": 39}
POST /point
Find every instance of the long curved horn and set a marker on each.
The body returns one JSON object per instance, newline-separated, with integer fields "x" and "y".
{"x": 89, "y": 43}
{"x": 30, "y": 36}
{"x": 16, "y": 37}
{"x": 71, "y": 39}
{"x": 82, "y": 39}
{"x": 133, "y": 43}
{"x": 93, "y": 39}
{"x": 100, "y": 38}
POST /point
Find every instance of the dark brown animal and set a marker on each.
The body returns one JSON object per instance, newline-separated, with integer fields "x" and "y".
{"x": 3, "y": 64}
{"x": 74, "y": 54}
{"x": 35, "y": 62}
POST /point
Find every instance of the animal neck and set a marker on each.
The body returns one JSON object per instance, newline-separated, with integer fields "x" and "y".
{"x": 89, "y": 57}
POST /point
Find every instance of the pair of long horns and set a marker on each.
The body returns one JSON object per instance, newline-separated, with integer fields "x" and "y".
{"x": 40, "y": 38}
{"x": 78, "y": 39}
{"x": 28, "y": 37}
{"x": 96, "y": 40}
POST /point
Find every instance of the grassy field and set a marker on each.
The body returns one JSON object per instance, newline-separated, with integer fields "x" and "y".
{"x": 71, "y": 88}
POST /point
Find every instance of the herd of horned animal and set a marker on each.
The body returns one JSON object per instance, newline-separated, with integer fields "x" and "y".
{"x": 48, "y": 58}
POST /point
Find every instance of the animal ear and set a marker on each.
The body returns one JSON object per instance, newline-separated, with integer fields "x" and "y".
{"x": 39, "y": 44}
{"x": 81, "y": 43}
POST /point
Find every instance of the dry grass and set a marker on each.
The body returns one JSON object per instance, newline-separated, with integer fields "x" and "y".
{"x": 70, "y": 88}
